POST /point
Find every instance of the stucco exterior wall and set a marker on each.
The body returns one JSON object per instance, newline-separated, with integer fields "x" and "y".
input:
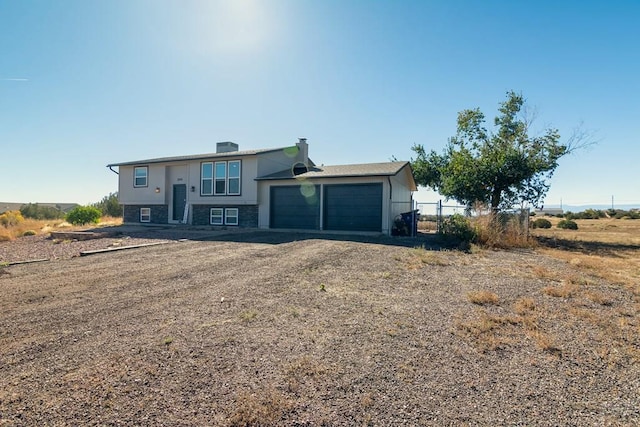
{"x": 248, "y": 186}
{"x": 280, "y": 160}
{"x": 162, "y": 177}
{"x": 129, "y": 195}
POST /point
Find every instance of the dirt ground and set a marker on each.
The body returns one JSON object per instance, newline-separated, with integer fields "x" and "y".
{"x": 276, "y": 329}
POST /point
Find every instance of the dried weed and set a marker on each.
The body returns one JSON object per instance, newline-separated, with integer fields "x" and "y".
{"x": 483, "y": 298}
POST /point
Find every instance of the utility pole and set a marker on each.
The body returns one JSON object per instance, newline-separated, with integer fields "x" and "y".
{"x": 612, "y": 202}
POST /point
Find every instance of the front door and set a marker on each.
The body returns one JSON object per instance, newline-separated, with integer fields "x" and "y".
{"x": 179, "y": 201}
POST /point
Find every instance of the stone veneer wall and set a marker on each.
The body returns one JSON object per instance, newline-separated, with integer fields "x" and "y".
{"x": 159, "y": 214}
{"x": 247, "y": 215}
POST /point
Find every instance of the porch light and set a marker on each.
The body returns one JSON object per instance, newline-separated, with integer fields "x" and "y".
{"x": 157, "y": 189}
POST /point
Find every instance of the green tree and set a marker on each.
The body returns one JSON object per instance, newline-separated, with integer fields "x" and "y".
{"x": 36, "y": 211}
{"x": 109, "y": 205}
{"x": 500, "y": 169}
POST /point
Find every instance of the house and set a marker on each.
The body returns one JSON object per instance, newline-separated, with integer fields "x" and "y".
{"x": 277, "y": 188}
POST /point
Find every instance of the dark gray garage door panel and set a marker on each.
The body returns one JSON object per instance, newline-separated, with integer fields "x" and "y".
{"x": 291, "y": 209}
{"x": 353, "y": 207}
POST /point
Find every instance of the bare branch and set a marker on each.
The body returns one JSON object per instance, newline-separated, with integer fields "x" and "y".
{"x": 581, "y": 138}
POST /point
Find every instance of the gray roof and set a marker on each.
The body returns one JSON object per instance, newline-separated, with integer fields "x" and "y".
{"x": 243, "y": 153}
{"x": 341, "y": 171}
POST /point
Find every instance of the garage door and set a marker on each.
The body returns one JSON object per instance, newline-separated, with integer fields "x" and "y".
{"x": 295, "y": 206}
{"x": 353, "y": 207}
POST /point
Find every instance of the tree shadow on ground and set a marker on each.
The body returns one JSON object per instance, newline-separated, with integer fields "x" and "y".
{"x": 587, "y": 247}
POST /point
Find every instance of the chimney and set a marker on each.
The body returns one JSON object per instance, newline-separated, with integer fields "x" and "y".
{"x": 226, "y": 147}
{"x": 303, "y": 148}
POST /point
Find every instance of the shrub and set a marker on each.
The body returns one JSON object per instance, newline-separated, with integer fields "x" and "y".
{"x": 36, "y": 211}
{"x": 541, "y": 223}
{"x": 84, "y": 215}
{"x": 458, "y": 227}
{"x": 29, "y": 233}
{"x": 504, "y": 230}
{"x": 11, "y": 218}
{"x": 567, "y": 224}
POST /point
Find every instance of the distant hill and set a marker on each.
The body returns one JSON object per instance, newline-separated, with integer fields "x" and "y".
{"x": 10, "y": 206}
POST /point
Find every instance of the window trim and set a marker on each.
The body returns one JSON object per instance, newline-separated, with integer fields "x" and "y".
{"x": 146, "y": 176}
{"x": 202, "y": 179}
{"x": 225, "y": 216}
{"x": 224, "y": 179}
{"x": 239, "y": 177}
{"x": 147, "y": 214}
{"x": 215, "y": 180}
{"x": 221, "y": 216}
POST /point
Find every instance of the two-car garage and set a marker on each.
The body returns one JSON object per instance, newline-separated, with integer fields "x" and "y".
{"x": 364, "y": 197}
{"x": 344, "y": 207}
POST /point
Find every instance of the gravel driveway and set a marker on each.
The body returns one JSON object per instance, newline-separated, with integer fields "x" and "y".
{"x": 271, "y": 329}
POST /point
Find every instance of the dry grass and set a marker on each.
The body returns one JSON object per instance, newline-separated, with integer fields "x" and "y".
{"x": 599, "y": 298}
{"x": 483, "y": 298}
{"x": 604, "y": 248}
{"x": 604, "y": 231}
{"x": 260, "y": 408}
{"x": 487, "y": 331}
{"x": 383, "y": 345}
{"x": 36, "y": 226}
{"x": 420, "y": 257}
{"x": 493, "y": 233}
{"x": 524, "y": 305}
{"x": 605, "y": 257}
{"x": 601, "y": 293}
{"x": 18, "y": 230}
{"x": 566, "y": 290}
{"x": 428, "y": 226}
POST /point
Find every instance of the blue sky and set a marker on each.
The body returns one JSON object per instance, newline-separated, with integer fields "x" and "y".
{"x": 84, "y": 83}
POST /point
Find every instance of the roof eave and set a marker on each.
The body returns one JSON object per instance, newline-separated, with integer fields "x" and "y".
{"x": 196, "y": 157}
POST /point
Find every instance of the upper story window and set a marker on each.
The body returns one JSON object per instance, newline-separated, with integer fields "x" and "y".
{"x": 206, "y": 176}
{"x": 140, "y": 176}
{"x": 220, "y": 178}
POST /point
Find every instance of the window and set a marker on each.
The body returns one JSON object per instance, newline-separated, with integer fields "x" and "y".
{"x": 217, "y": 216}
{"x": 145, "y": 214}
{"x": 220, "y": 178}
{"x": 222, "y": 216}
{"x": 140, "y": 174}
{"x": 234, "y": 178}
{"x": 231, "y": 216}
{"x": 206, "y": 189}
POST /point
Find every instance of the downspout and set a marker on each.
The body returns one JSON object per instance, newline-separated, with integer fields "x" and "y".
{"x": 111, "y": 169}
